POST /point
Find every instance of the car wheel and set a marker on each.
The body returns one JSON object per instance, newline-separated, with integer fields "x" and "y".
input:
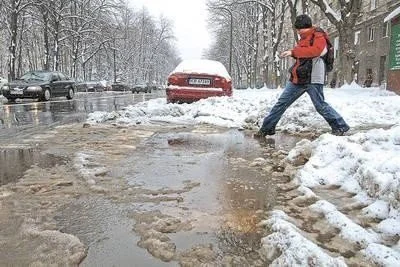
{"x": 70, "y": 94}
{"x": 46, "y": 95}
{"x": 11, "y": 100}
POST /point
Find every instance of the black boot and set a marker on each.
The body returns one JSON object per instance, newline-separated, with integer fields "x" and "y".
{"x": 340, "y": 131}
{"x": 261, "y": 134}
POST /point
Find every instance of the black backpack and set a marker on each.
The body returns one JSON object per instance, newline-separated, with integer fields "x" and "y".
{"x": 329, "y": 57}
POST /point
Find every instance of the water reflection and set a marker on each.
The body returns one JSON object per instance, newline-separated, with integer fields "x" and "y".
{"x": 14, "y": 162}
{"x": 15, "y": 117}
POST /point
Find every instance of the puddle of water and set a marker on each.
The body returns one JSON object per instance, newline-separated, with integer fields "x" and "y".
{"x": 230, "y": 199}
{"x": 15, "y": 161}
{"x": 224, "y": 206}
{"x": 106, "y": 229}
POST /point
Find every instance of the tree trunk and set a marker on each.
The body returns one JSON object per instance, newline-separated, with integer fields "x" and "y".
{"x": 293, "y": 15}
{"x": 46, "y": 42}
{"x": 265, "y": 46}
{"x": 346, "y": 55}
{"x": 306, "y": 7}
{"x": 56, "y": 48}
{"x": 13, "y": 39}
{"x": 19, "y": 69}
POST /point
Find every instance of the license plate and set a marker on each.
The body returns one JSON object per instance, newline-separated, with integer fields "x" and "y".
{"x": 16, "y": 92}
{"x": 199, "y": 81}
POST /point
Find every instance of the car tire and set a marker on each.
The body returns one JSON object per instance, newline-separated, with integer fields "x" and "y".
{"x": 11, "y": 100}
{"x": 46, "y": 95}
{"x": 71, "y": 93}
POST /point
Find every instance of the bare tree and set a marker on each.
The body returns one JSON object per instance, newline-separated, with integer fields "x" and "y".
{"x": 13, "y": 10}
{"x": 344, "y": 18}
{"x": 81, "y": 37}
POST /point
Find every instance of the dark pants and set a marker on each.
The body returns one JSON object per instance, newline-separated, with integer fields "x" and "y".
{"x": 291, "y": 93}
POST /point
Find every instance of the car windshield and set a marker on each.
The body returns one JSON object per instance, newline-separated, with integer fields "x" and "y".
{"x": 39, "y": 76}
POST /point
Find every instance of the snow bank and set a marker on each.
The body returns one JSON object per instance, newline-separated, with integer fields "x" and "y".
{"x": 348, "y": 229}
{"x": 368, "y": 165}
{"x": 363, "y": 163}
{"x": 286, "y": 246}
{"x": 360, "y": 107}
{"x": 231, "y": 112}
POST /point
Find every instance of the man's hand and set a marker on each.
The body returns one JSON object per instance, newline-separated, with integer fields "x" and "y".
{"x": 287, "y": 53}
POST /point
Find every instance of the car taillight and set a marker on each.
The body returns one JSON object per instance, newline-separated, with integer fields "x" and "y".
{"x": 222, "y": 83}
{"x": 176, "y": 79}
{"x": 173, "y": 80}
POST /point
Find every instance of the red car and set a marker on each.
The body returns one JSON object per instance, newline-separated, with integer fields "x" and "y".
{"x": 193, "y": 80}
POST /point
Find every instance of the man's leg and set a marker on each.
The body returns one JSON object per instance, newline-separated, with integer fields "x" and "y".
{"x": 289, "y": 95}
{"x": 337, "y": 123}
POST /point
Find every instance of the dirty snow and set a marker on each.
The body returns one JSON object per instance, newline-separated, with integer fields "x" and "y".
{"x": 365, "y": 163}
{"x": 288, "y": 247}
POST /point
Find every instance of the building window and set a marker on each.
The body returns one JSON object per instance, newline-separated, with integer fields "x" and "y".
{"x": 371, "y": 33}
{"x": 373, "y": 4}
{"x": 385, "y": 30}
{"x": 357, "y": 37}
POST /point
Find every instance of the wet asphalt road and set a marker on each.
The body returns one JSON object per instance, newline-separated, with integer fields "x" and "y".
{"x": 29, "y": 116}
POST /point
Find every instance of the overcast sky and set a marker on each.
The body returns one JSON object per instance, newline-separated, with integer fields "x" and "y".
{"x": 189, "y": 17}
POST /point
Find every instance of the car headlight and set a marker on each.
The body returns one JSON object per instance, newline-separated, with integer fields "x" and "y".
{"x": 34, "y": 88}
{"x": 5, "y": 88}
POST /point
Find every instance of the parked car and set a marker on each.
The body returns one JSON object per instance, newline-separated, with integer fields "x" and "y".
{"x": 193, "y": 80}
{"x": 120, "y": 87}
{"x": 3, "y": 81}
{"x": 40, "y": 84}
{"x": 90, "y": 86}
{"x": 141, "y": 88}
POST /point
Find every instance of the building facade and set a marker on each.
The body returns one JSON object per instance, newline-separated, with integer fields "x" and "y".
{"x": 372, "y": 42}
{"x": 371, "y": 38}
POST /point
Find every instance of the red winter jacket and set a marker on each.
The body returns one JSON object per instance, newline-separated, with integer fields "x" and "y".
{"x": 311, "y": 45}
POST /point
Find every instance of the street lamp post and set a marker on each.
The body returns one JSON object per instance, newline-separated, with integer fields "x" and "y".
{"x": 231, "y": 38}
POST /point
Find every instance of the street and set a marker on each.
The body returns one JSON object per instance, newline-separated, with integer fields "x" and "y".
{"x": 28, "y": 116}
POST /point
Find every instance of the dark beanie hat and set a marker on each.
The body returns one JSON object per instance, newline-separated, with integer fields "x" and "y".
{"x": 303, "y": 22}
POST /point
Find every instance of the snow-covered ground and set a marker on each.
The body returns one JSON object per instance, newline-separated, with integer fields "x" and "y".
{"x": 366, "y": 163}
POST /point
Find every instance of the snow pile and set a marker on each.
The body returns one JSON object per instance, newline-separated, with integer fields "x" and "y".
{"x": 360, "y": 107}
{"x": 286, "y": 246}
{"x": 229, "y": 112}
{"x": 382, "y": 255}
{"x": 368, "y": 165}
{"x": 348, "y": 229}
{"x": 365, "y": 163}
